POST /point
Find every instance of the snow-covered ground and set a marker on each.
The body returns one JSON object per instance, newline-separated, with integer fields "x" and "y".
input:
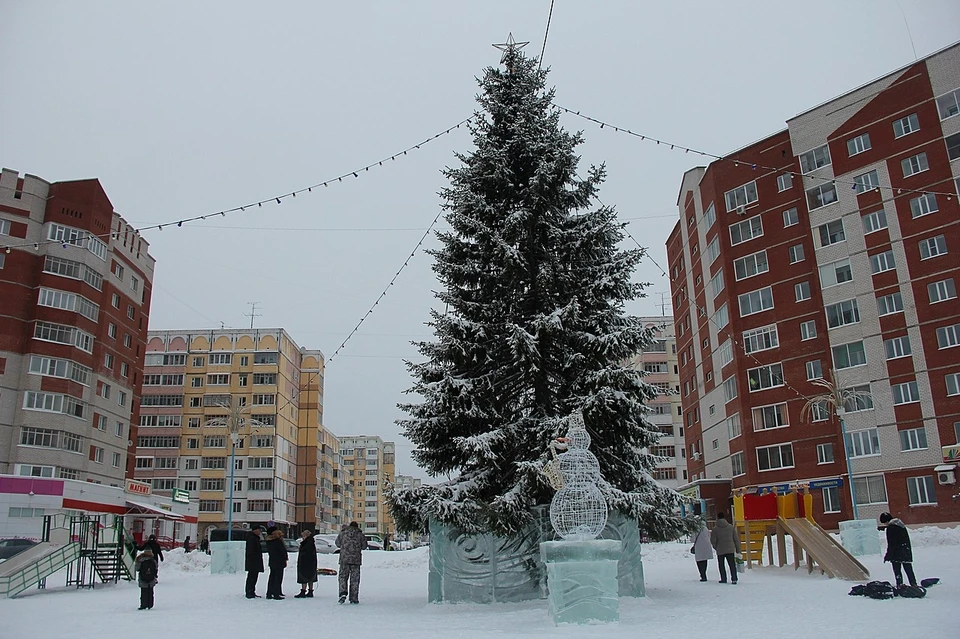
{"x": 768, "y": 602}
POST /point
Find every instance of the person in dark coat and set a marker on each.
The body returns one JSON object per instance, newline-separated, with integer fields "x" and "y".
{"x": 186, "y": 544}
{"x": 277, "y": 557}
{"x": 145, "y": 568}
{"x": 351, "y": 542}
{"x": 306, "y": 564}
{"x": 154, "y": 546}
{"x": 253, "y": 561}
{"x": 899, "y": 551}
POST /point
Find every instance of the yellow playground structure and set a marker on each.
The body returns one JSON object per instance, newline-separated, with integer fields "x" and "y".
{"x": 765, "y": 519}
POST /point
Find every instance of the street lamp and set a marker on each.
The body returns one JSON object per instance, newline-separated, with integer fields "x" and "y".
{"x": 236, "y": 419}
{"x": 838, "y": 397}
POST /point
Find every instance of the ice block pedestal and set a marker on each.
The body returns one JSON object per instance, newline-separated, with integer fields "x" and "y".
{"x": 227, "y": 556}
{"x": 582, "y": 580}
{"x": 860, "y": 537}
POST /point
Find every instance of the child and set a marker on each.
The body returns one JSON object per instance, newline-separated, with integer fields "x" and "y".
{"x": 146, "y": 567}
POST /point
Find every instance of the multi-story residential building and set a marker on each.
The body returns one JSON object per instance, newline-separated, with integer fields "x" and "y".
{"x": 659, "y": 362}
{"x": 276, "y": 386}
{"x": 335, "y": 502}
{"x": 75, "y": 286}
{"x": 827, "y": 247}
{"x": 369, "y": 465}
{"x": 406, "y": 482}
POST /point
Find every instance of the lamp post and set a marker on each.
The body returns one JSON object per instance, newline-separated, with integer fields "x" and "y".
{"x": 838, "y": 397}
{"x": 236, "y": 418}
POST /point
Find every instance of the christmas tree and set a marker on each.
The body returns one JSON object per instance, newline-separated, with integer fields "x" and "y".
{"x": 534, "y": 328}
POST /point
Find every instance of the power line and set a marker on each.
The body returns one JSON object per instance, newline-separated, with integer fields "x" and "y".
{"x": 545, "y": 34}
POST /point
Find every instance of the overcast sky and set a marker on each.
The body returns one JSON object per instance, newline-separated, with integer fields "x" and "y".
{"x": 188, "y": 108}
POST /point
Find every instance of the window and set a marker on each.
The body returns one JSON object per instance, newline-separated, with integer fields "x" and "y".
{"x": 933, "y": 247}
{"x": 953, "y": 383}
{"x": 953, "y": 146}
{"x": 213, "y": 462}
{"x": 751, "y": 265}
{"x": 889, "y": 304}
{"x": 219, "y": 359}
{"x": 874, "y": 221}
{"x": 54, "y": 403}
{"x": 115, "y": 300}
{"x": 755, "y": 301}
{"x": 124, "y": 369}
{"x": 906, "y": 125}
{"x": 767, "y": 417}
{"x": 729, "y": 389}
{"x": 722, "y": 317}
{"x": 831, "y": 500}
{"x": 915, "y": 164}
{"x": 4, "y": 227}
{"x": 716, "y": 283}
{"x": 808, "y": 330}
{"x": 710, "y": 215}
{"x": 733, "y": 426}
{"x": 713, "y": 249}
{"x": 144, "y": 463}
{"x": 260, "y": 462}
{"x": 112, "y": 330}
{"x": 218, "y": 380}
{"x": 802, "y": 291}
{"x": 870, "y": 490}
{"x": 882, "y": 262}
{"x": 49, "y": 438}
{"x": 764, "y": 377}
{"x": 948, "y": 104}
{"x": 784, "y": 182}
{"x": 906, "y": 393}
{"x": 863, "y": 443}
{"x": 941, "y": 291}
{"x": 924, "y": 205}
{"x": 741, "y": 196}
{"x": 96, "y": 454}
{"x": 162, "y": 421}
{"x": 822, "y": 195}
{"x": 814, "y": 159}
{"x": 117, "y": 269}
{"x": 831, "y": 233}
{"x": 736, "y": 461}
{"x": 760, "y": 339}
{"x": 214, "y": 441}
{"x": 264, "y": 399}
{"x": 265, "y": 358}
{"x": 199, "y": 361}
{"x": 191, "y": 463}
{"x": 158, "y": 441}
{"x": 835, "y": 273}
{"x": 796, "y": 253}
{"x": 130, "y": 311}
{"x": 63, "y": 368}
{"x": 126, "y": 340}
{"x": 814, "y": 369}
{"x": 161, "y": 400}
{"x": 54, "y": 298}
{"x": 121, "y": 398}
{"x": 948, "y": 336}
{"x": 261, "y": 441}
{"x": 858, "y": 144}
{"x": 774, "y": 457}
{"x": 269, "y": 379}
{"x": 726, "y": 353}
{"x": 166, "y": 463}
{"x": 897, "y": 347}
{"x": 101, "y": 422}
{"x": 913, "y": 439}
{"x": 790, "y": 218}
{"x": 134, "y": 284}
{"x": 211, "y": 505}
{"x": 842, "y": 313}
{"x": 215, "y": 401}
{"x": 69, "y": 268}
{"x": 866, "y": 182}
{"x": 824, "y": 453}
{"x": 76, "y": 237}
{"x": 848, "y": 355}
{"x": 746, "y": 230}
{"x": 116, "y": 460}
{"x": 62, "y": 334}
{"x": 920, "y": 490}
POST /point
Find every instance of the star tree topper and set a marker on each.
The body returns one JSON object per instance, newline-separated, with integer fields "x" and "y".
{"x": 509, "y": 46}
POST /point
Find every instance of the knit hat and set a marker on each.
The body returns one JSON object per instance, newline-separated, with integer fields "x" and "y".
{"x": 885, "y": 518}
{"x": 271, "y": 530}
{"x": 256, "y": 527}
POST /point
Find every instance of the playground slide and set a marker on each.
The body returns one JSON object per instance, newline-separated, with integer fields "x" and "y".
{"x": 822, "y": 548}
{"x": 27, "y": 568}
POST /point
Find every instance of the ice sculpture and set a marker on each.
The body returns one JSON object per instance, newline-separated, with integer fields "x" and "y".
{"x": 581, "y": 570}
{"x": 860, "y": 537}
{"x": 227, "y": 556}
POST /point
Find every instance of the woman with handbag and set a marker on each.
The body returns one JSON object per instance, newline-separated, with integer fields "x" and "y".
{"x": 702, "y": 550}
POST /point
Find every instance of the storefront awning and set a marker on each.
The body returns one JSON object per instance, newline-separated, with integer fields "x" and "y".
{"x": 139, "y": 508}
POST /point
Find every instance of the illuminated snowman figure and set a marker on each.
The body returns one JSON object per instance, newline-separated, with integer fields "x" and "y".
{"x": 578, "y": 510}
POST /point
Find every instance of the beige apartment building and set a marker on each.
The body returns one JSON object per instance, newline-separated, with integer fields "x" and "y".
{"x": 369, "y": 466}
{"x": 281, "y": 467}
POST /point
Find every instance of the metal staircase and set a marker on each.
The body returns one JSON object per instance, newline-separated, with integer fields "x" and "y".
{"x": 110, "y": 555}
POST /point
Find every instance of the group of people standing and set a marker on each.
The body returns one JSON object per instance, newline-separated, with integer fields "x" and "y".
{"x": 351, "y": 542}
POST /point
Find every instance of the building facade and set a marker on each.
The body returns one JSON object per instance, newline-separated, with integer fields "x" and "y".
{"x": 369, "y": 465}
{"x": 828, "y": 250}
{"x": 659, "y": 362}
{"x": 276, "y": 388}
{"x": 75, "y": 288}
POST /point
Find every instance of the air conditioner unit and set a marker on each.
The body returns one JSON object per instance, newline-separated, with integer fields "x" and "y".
{"x": 741, "y": 210}
{"x": 946, "y": 474}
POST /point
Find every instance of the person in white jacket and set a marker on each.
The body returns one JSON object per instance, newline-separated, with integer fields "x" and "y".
{"x": 702, "y": 550}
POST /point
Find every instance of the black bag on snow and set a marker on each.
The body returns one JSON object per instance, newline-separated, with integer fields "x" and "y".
{"x": 879, "y": 590}
{"x": 148, "y": 570}
{"x": 911, "y": 592}
{"x": 932, "y": 581}
{"x": 859, "y": 589}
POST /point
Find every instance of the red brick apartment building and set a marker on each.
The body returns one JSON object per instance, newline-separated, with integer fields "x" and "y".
{"x": 831, "y": 245}
{"x": 75, "y": 286}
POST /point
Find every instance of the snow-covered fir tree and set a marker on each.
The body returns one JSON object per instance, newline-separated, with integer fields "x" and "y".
{"x": 534, "y": 328}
